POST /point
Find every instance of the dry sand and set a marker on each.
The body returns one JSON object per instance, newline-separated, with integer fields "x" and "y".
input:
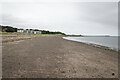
{"x": 11, "y": 38}
{"x": 54, "y": 57}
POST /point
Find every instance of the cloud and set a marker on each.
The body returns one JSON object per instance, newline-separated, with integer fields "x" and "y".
{"x": 59, "y": 1}
{"x": 71, "y": 18}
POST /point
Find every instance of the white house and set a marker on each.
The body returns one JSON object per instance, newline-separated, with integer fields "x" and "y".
{"x": 29, "y": 31}
{"x": 36, "y": 32}
{"x": 20, "y": 30}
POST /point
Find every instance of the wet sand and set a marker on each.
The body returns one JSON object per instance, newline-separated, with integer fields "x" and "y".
{"x": 54, "y": 57}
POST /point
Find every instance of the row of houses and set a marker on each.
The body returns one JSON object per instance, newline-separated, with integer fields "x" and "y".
{"x": 29, "y": 31}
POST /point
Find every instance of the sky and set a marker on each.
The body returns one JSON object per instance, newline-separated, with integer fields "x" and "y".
{"x": 70, "y": 17}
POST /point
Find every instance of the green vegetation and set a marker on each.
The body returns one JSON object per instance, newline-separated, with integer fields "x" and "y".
{"x": 18, "y": 33}
{"x": 6, "y": 30}
{"x": 15, "y": 33}
{"x": 49, "y": 32}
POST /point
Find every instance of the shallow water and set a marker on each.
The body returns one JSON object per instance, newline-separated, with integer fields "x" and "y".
{"x": 111, "y": 42}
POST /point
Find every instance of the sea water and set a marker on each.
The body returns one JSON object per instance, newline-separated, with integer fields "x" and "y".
{"x": 108, "y": 41}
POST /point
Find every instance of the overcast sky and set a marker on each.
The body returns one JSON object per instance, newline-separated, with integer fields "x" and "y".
{"x": 87, "y": 18}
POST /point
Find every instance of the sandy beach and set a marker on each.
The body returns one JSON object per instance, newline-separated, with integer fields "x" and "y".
{"x": 55, "y": 57}
{"x": 11, "y": 38}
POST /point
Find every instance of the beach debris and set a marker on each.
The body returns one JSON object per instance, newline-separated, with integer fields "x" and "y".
{"x": 113, "y": 74}
{"x": 62, "y": 71}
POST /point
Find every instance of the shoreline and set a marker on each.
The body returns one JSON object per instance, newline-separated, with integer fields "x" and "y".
{"x": 95, "y": 45}
{"x": 26, "y": 37}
